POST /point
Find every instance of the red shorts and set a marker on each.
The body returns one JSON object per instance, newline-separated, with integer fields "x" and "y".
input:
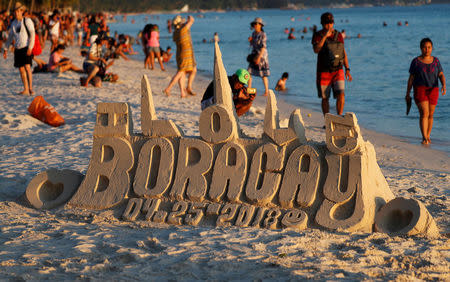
{"x": 330, "y": 80}
{"x": 424, "y": 93}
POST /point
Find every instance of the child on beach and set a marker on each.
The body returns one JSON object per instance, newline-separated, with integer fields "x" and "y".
{"x": 281, "y": 84}
{"x": 424, "y": 73}
{"x": 166, "y": 55}
{"x": 153, "y": 43}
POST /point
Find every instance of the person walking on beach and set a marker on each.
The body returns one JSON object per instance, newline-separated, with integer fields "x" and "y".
{"x": 328, "y": 43}
{"x": 23, "y": 46}
{"x": 424, "y": 72}
{"x": 259, "y": 59}
{"x": 185, "y": 56}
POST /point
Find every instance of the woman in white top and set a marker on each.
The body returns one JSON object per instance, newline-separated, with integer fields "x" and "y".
{"x": 24, "y": 37}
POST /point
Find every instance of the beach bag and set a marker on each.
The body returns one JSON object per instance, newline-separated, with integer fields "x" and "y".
{"x": 336, "y": 53}
{"x": 37, "y": 49}
{"x": 45, "y": 112}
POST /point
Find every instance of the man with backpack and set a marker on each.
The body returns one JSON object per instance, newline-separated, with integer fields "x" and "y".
{"x": 22, "y": 31}
{"x": 328, "y": 43}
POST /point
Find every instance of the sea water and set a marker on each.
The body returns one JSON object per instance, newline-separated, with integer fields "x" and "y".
{"x": 379, "y": 60}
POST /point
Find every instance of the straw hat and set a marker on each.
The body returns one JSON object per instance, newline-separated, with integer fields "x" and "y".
{"x": 177, "y": 20}
{"x": 257, "y": 20}
{"x": 19, "y": 6}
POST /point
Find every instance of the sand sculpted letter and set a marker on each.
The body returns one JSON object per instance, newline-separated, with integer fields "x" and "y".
{"x": 155, "y": 168}
{"x": 229, "y": 173}
{"x": 113, "y": 119}
{"x": 342, "y": 133}
{"x": 301, "y": 178}
{"x": 343, "y": 206}
{"x": 107, "y": 180}
{"x": 265, "y": 174}
{"x": 194, "y": 161}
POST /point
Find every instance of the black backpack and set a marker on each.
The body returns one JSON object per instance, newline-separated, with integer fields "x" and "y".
{"x": 335, "y": 51}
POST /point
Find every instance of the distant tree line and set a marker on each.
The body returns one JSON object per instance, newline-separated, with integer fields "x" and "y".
{"x": 168, "y": 5}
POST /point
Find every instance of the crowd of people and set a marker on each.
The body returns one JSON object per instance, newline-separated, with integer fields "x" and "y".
{"x": 29, "y": 33}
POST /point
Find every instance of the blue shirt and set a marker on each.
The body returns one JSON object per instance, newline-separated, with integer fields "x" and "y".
{"x": 425, "y": 74}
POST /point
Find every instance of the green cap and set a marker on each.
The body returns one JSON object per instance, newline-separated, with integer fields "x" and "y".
{"x": 243, "y": 75}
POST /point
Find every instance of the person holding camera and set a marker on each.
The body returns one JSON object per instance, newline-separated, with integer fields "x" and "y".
{"x": 242, "y": 96}
{"x": 328, "y": 43}
{"x": 258, "y": 59}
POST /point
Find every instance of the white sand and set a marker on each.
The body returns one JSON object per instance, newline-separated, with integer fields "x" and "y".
{"x": 63, "y": 244}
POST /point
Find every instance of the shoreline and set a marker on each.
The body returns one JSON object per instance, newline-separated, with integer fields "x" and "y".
{"x": 331, "y": 6}
{"x": 75, "y": 244}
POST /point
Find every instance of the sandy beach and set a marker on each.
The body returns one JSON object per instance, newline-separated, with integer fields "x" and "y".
{"x": 70, "y": 244}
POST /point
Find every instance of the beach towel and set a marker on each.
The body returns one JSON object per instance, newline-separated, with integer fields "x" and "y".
{"x": 45, "y": 112}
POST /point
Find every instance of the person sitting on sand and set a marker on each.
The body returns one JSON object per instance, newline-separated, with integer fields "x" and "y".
{"x": 281, "y": 84}
{"x": 114, "y": 50}
{"x": 93, "y": 60}
{"x": 242, "y": 96}
{"x": 58, "y": 63}
{"x": 125, "y": 42}
{"x": 424, "y": 73}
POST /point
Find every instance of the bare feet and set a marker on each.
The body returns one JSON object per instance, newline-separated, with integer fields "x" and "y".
{"x": 166, "y": 92}
{"x": 24, "y": 93}
{"x": 425, "y": 142}
{"x": 31, "y": 92}
{"x": 265, "y": 94}
{"x": 190, "y": 92}
{"x": 183, "y": 96}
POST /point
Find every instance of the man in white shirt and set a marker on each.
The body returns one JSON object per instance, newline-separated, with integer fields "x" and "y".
{"x": 22, "y": 31}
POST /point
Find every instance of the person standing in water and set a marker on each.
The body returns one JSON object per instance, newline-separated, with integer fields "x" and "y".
{"x": 259, "y": 59}
{"x": 424, "y": 73}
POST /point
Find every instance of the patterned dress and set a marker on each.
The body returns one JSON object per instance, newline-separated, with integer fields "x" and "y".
{"x": 259, "y": 41}
{"x": 185, "y": 51}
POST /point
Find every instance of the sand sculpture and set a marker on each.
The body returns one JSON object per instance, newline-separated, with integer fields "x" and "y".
{"x": 223, "y": 178}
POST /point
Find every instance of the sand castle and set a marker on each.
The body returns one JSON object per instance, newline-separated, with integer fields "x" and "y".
{"x": 224, "y": 178}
